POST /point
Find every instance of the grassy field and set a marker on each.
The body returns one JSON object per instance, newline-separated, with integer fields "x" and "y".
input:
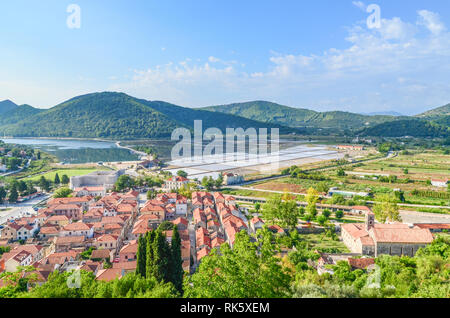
{"x": 322, "y": 241}
{"x": 413, "y": 170}
{"x": 69, "y": 172}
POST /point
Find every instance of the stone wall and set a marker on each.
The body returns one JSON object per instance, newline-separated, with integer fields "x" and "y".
{"x": 98, "y": 178}
{"x": 397, "y": 249}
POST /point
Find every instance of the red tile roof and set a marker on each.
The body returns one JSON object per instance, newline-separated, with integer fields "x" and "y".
{"x": 361, "y": 263}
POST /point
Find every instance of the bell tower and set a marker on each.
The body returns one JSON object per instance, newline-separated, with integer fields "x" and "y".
{"x": 370, "y": 221}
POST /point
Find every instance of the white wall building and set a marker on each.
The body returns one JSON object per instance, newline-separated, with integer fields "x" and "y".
{"x": 441, "y": 183}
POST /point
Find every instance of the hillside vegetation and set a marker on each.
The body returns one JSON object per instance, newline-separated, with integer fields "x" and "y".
{"x": 114, "y": 115}
{"x": 298, "y": 117}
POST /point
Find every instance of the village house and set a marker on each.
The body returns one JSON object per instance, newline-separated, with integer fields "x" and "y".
{"x": 47, "y": 232}
{"x": 256, "y": 224}
{"x": 83, "y": 201}
{"x": 128, "y": 252}
{"x": 199, "y": 218}
{"x": 126, "y": 267}
{"x": 175, "y": 183}
{"x": 102, "y": 255}
{"x": 65, "y": 243}
{"x": 106, "y": 241}
{"x": 72, "y": 211}
{"x": 77, "y": 229}
{"x": 181, "y": 223}
{"x": 12, "y": 260}
{"x": 109, "y": 274}
{"x": 98, "y": 191}
{"x": 58, "y": 220}
{"x": 156, "y": 210}
{"x": 440, "y": 183}
{"x": 202, "y": 253}
{"x": 14, "y": 231}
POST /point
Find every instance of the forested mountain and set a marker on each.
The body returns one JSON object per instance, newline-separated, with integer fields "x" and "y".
{"x": 6, "y": 106}
{"x": 117, "y": 115}
{"x": 440, "y": 111}
{"x": 408, "y": 127}
{"x": 17, "y": 114}
{"x": 120, "y": 116}
{"x": 298, "y": 117}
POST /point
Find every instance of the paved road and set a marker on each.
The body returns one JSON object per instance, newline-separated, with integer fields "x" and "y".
{"x": 16, "y": 171}
{"x": 20, "y": 209}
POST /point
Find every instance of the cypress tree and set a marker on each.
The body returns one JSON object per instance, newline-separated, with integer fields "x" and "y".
{"x": 176, "y": 261}
{"x": 57, "y": 181}
{"x": 161, "y": 254}
{"x": 150, "y": 237}
{"x": 141, "y": 256}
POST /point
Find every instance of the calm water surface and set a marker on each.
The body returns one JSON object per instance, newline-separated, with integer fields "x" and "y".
{"x": 77, "y": 150}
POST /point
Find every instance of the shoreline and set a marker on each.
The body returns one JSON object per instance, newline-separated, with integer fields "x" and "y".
{"x": 117, "y": 143}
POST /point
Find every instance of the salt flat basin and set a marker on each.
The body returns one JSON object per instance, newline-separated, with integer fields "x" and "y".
{"x": 213, "y": 165}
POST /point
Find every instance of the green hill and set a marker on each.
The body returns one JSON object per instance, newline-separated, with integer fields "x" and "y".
{"x": 408, "y": 127}
{"x": 436, "y": 112}
{"x": 6, "y": 106}
{"x": 298, "y": 117}
{"x": 117, "y": 115}
{"x": 17, "y": 114}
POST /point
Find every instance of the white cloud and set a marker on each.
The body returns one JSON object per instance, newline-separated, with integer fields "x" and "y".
{"x": 213, "y": 59}
{"x": 431, "y": 21}
{"x": 395, "y": 67}
{"x": 360, "y": 5}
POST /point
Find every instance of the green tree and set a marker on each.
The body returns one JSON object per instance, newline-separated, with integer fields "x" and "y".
{"x": 176, "y": 261}
{"x": 208, "y": 183}
{"x": 62, "y": 193}
{"x": 321, "y": 219}
{"x": 182, "y": 173}
{"x": 386, "y": 209}
{"x": 339, "y": 214}
{"x": 21, "y": 186}
{"x": 340, "y": 172}
{"x": 57, "y": 180}
{"x": 312, "y": 197}
{"x": 151, "y": 194}
{"x": 13, "y": 195}
{"x": 124, "y": 182}
{"x": 2, "y": 194}
{"x": 65, "y": 179}
{"x": 249, "y": 270}
{"x": 219, "y": 181}
{"x": 149, "y": 262}
{"x": 326, "y": 213}
{"x": 281, "y": 210}
{"x": 44, "y": 184}
{"x": 141, "y": 256}
{"x": 161, "y": 254}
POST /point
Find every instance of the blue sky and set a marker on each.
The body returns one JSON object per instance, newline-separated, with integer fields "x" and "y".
{"x": 311, "y": 54}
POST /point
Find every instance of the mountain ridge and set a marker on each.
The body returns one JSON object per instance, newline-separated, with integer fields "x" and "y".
{"x": 117, "y": 115}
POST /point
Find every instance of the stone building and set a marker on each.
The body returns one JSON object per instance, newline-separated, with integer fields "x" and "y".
{"x": 375, "y": 239}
